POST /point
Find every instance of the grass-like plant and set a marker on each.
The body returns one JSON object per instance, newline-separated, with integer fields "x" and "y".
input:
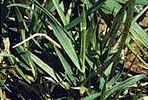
{"x": 55, "y": 49}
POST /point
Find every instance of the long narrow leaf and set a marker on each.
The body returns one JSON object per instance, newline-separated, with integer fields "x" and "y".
{"x": 60, "y": 12}
{"x": 125, "y": 84}
{"x": 93, "y": 96}
{"x": 66, "y": 67}
{"x": 88, "y": 12}
{"x": 139, "y": 34}
{"x": 66, "y": 43}
{"x": 44, "y": 67}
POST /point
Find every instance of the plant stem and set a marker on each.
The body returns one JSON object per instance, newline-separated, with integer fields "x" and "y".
{"x": 38, "y": 35}
{"x": 128, "y": 21}
{"x": 83, "y": 40}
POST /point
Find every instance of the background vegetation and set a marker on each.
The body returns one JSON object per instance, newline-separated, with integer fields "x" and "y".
{"x": 73, "y": 49}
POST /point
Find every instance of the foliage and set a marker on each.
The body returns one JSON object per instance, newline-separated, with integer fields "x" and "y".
{"x": 55, "y": 49}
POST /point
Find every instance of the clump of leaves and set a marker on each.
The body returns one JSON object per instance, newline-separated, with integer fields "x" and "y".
{"x": 58, "y": 50}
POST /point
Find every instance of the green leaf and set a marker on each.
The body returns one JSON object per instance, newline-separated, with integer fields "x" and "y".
{"x": 91, "y": 10}
{"x": 125, "y": 84}
{"x": 92, "y": 96}
{"x": 49, "y": 15}
{"x": 110, "y": 35}
{"x": 22, "y": 74}
{"x": 26, "y": 58}
{"x": 138, "y": 2}
{"x": 66, "y": 44}
{"x": 113, "y": 80}
{"x": 60, "y": 12}
{"x": 66, "y": 67}
{"x": 139, "y": 34}
{"x": 142, "y": 2}
{"x": 112, "y": 5}
{"x": 44, "y": 67}
{"x": 21, "y": 22}
{"x": 91, "y": 34}
{"x": 108, "y": 69}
